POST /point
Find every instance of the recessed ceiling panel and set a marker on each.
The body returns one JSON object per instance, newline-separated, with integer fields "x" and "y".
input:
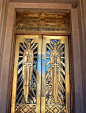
{"x": 46, "y": 1}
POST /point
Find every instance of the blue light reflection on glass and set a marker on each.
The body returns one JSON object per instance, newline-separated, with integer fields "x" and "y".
{"x": 47, "y": 67}
{"x": 47, "y": 55}
{"x": 35, "y": 67}
{"x": 21, "y": 79}
{"x": 39, "y": 64}
{"x": 47, "y": 60}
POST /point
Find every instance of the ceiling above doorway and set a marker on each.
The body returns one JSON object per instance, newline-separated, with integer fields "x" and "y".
{"x": 46, "y": 1}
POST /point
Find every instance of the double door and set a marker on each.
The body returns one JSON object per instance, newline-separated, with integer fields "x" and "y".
{"x": 41, "y": 75}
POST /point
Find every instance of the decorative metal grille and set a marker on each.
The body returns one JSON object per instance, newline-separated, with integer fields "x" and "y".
{"x": 25, "y": 108}
{"x": 41, "y": 75}
{"x": 55, "y": 109}
{"x": 33, "y": 82}
{"x": 55, "y": 71}
{"x": 36, "y": 21}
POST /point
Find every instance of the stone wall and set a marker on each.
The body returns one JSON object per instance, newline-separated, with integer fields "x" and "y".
{"x": 3, "y": 18}
{"x": 82, "y": 35}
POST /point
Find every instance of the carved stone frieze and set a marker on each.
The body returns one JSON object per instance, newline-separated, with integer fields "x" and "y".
{"x": 27, "y": 21}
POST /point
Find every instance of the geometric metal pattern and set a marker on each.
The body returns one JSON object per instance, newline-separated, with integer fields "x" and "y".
{"x": 33, "y": 81}
{"x": 37, "y": 21}
{"x": 45, "y": 61}
{"x": 60, "y": 78}
{"x": 25, "y": 108}
{"x": 55, "y": 109}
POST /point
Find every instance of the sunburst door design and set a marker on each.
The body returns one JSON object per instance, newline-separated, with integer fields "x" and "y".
{"x": 41, "y": 75}
{"x": 20, "y": 96}
{"x": 25, "y": 96}
{"x": 56, "y": 73}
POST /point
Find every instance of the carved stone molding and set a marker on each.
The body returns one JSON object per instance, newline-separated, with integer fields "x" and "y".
{"x": 75, "y": 5}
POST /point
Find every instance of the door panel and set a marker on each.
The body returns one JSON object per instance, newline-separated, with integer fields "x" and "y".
{"x": 55, "y": 75}
{"x": 41, "y": 75}
{"x": 27, "y": 75}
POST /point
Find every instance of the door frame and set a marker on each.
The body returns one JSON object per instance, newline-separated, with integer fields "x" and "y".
{"x": 41, "y": 98}
{"x": 8, "y": 54}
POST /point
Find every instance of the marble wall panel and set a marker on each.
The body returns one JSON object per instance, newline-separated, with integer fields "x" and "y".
{"x": 3, "y": 18}
{"x": 82, "y": 33}
{"x": 78, "y": 101}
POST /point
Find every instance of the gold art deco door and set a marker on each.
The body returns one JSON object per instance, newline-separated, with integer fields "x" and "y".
{"x": 41, "y": 75}
{"x": 55, "y": 96}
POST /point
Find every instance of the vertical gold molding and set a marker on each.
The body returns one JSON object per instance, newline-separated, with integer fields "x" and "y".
{"x": 15, "y": 77}
{"x": 43, "y": 75}
{"x": 39, "y": 74}
{"x": 67, "y": 76}
{"x": 42, "y": 104}
{"x": 38, "y": 105}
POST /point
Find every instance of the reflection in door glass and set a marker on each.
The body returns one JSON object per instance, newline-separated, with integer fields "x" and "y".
{"x": 55, "y": 76}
